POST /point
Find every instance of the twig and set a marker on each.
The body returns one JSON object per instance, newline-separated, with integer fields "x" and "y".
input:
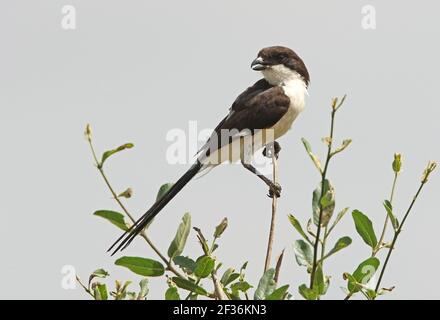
{"x": 143, "y": 234}
{"x": 274, "y": 210}
{"x": 429, "y": 169}
{"x": 87, "y": 289}
{"x": 323, "y": 178}
{"x": 396, "y": 235}
{"x": 349, "y": 295}
{"x": 324, "y": 243}
{"x": 387, "y": 218}
{"x": 219, "y": 293}
{"x": 396, "y": 169}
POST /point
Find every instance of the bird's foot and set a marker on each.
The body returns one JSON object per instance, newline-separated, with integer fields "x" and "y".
{"x": 272, "y": 149}
{"x": 274, "y": 190}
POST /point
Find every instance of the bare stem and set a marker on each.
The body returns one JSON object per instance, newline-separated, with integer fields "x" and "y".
{"x": 143, "y": 234}
{"x": 87, "y": 289}
{"x": 349, "y": 295}
{"x": 323, "y": 178}
{"x": 323, "y": 243}
{"x": 274, "y": 210}
{"x": 218, "y": 289}
{"x": 382, "y": 236}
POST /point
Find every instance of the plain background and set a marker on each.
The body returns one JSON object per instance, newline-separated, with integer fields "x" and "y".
{"x": 136, "y": 69}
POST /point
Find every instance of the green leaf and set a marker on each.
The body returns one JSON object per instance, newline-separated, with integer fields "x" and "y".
{"x": 143, "y": 284}
{"x": 266, "y": 285}
{"x": 100, "y": 292}
{"x": 172, "y": 294}
{"x": 303, "y": 253}
{"x": 131, "y": 295}
{"x": 344, "y": 145}
{"x": 242, "y": 271}
{"x": 326, "y": 284}
{"x": 204, "y": 267}
{"x": 365, "y": 228}
{"x": 190, "y": 286}
{"x": 178, "y": 244}
{"x": 342, "y": 243}
{"x": 339, "y": 217}
{"x": 324, "y": 201}
{"x": 234, "y": 276}
{"x": 186, "y": 263}
{"x": 310, "y": 228}
{"x": 312, "y": 156}
{"x": 229, "y": 276}
{"x": 278, "y": 294}
{"x": 389, "y": 208}
{"x": 319, "y": 281}
{"x": 163, "y": 190}
{"x": 142, "y": 266}
{"x": 297, "y": 225}
{"x": 371, "y": 294}
{"x": 242, "y": 286}
{"x": 98, "y": 273}
{"x": 226, "y": 276}
{"x": 221, "y": 228}
{"x": 307, "y": 293}
{"x": 363, "y": 273}
{"x": 114, "y": 217}
{"x": 352, "y": 283}
{"x": 109, "y": 153}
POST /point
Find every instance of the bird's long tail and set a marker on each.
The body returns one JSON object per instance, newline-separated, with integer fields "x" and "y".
{"x": 125, "y": 239}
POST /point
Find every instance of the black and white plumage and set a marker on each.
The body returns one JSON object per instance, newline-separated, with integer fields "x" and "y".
{"x": 270, "y": 105}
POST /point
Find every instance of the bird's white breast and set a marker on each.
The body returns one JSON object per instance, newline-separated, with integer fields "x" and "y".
{"x": 296, "y": 90}
{"x": 293, "y": 87}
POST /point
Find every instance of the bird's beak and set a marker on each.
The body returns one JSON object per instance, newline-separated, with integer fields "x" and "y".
{"x": 258, "y": 64}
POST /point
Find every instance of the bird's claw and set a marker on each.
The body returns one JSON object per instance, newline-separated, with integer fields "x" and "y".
{"x": 272, "y": 149}
{"x": 274, "y": 190}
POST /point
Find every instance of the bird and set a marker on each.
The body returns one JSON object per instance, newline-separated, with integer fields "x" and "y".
{"x": 261, "y": 114}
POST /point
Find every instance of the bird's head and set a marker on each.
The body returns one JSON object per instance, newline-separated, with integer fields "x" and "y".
{"x": 279, "y": 65}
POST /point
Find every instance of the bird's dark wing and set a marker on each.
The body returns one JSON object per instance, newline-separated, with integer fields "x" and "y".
{"x": 258, "y": 107}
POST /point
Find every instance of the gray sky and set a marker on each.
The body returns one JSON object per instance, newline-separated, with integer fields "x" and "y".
{"x": 136, "y": 69}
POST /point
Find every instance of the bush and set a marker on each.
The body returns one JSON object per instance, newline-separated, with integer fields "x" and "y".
{"x": 188, "y": 277}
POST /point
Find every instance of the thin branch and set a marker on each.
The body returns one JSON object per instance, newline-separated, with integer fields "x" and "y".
{"x": 143, "y": 234}
{"x": 274, "y": 211}
{"x": 396, "y": 235}
{"x": 84, "y": 287}
{"x": 218, "y": 288}
{"x": 323, "y": 243}
{"x": 323, "y": 178}
{"x": 429, "y": 169}
{"x": 387, "y": 218}
{"x": 349, "y": 295}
